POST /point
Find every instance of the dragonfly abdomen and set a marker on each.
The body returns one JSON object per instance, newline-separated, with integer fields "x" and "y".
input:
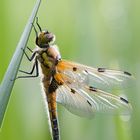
{"x": 50, "y": 86}
{"x": 51, "y": 99}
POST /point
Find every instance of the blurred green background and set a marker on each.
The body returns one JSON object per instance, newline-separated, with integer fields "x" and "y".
{"x": 100, "y": 33}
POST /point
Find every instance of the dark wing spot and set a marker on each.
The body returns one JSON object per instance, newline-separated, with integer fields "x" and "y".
{"x": 101, "y": 69}
{"x": 74, "y": 69}
{"x": 73, "y": 91}
{"x": 86, "y": 71}
{"x": 127, "y": 73}
{"x": 124, "y": 100}
{"x": 89, "y": 103}
{"x": 92, "y": 89}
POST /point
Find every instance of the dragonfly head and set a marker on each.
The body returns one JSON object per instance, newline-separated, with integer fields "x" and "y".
{"x": 44, "y": 39}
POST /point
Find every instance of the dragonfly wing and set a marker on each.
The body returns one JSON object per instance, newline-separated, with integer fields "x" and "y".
{"x": 101, "y": 77}
{"x": 108, "y": 103}
{"x": 80, "y": 98}
{"x": 74, "y": 102}
{"x": 87, "y": 101}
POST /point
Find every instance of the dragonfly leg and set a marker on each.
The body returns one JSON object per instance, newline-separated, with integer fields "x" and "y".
{"x": 32, "y": 56}
{"x": 35, "y": 67}
{"x": 29, "y": 49}
{"x": 38, "y": 24}
{"x": 35, "y": 27}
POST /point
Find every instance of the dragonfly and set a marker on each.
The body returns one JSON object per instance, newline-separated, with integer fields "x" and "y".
{"x": 72, "y": 84}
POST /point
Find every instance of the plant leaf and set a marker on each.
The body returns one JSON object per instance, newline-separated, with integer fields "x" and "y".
{"x": 10, "y": 75}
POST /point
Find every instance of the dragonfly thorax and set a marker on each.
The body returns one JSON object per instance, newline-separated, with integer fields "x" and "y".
{"x": 44, "y": 39}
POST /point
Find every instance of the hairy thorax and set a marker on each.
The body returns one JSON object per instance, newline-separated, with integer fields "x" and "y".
{"x": 48, "y": 62}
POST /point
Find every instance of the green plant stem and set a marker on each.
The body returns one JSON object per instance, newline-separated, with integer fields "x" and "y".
{"x": 11, "y": 73}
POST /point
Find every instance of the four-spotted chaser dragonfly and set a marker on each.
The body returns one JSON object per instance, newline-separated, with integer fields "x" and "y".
{"x": 72, "y": 84}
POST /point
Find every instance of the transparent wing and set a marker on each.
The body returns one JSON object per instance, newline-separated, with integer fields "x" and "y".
{"x": 81, "y": 99}
{"x": 87, "y": 101}
{"x": 101, "y": 77}
{"x": 74, "y": 102}
{"x": 106, "y": 102}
